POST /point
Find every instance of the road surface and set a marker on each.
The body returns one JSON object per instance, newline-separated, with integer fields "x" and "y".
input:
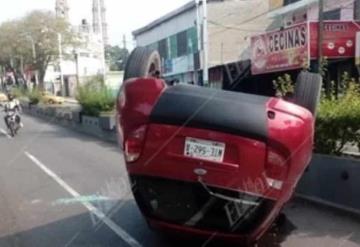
{"x": 55, "y": 184}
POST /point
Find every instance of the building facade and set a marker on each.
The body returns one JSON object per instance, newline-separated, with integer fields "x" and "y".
{"x": 238, "y": 30}
{"x": 84, "y": 62}
{"x": 341, "y": 23}
{"x": 62, "y": 9}
{"x": 99, "y": 19}
{"x": 176, "y": 37}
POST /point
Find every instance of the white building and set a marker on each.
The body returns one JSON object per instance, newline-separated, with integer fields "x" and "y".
{"x": 86, "y": 61}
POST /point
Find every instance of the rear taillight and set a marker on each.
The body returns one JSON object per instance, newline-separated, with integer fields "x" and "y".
{"x": 134, "y": 144}
{"x": 276, "y": 169}
{"x": 122, "y": 98}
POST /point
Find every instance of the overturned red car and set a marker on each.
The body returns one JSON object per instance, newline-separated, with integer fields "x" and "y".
{"x": 212, "y": 163}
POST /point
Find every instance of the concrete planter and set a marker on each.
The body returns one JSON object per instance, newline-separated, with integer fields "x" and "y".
{"x": 333, "y": 180}
{"x": 107, "y": 122}
{"x": 50, "y": 112}
{"x": 76, "y": 117}
{"x": 90, "y": 122}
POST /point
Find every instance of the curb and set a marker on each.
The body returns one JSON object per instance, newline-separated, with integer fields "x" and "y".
{"x": 65, "y": 119}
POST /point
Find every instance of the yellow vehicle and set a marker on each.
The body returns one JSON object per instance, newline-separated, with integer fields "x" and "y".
{"x": 3, "y": 97}
{"x": 51, "y": 99}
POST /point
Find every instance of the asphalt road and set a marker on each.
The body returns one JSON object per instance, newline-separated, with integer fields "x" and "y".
{"x": 55, "y": 184}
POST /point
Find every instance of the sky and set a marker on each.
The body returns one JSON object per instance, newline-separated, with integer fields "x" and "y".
{"x": 123, "y": 16}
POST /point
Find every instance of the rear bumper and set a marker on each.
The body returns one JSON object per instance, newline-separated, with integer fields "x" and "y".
{"x": 188, "y": 209}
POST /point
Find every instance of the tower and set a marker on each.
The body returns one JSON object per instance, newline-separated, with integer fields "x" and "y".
{"x": 100, "y": 19}
{"x": 62, "y": 9}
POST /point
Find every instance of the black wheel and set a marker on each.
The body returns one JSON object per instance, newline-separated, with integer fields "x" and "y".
{"x": 51, "y": 102}
{"x": 12, "y": 129}
{"x": 308, "y": 90}
{"x": 143, "y": 62}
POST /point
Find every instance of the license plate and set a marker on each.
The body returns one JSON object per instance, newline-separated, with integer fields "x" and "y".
{"x": 206, "y": 150}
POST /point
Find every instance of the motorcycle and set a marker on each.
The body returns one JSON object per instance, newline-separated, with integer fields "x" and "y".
{"x": 13, "y": 123}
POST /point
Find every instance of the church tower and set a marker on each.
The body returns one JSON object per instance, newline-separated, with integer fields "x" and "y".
{"x": 100, "y": 19}
{"x": 62, "y": 9}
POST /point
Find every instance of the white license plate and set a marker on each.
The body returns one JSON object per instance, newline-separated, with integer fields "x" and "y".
{"x": 206, "y": 150}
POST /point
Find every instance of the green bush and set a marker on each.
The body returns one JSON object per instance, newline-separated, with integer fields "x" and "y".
{"x": 284, "y": 85}
{"x": 19, "y": 92}
{"x": 95, "y": 98}
{"x": 338, "y": 120}
{"x": 34, "y": 96}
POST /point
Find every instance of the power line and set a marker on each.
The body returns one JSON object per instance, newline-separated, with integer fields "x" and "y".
{"x": 228, "y": 27}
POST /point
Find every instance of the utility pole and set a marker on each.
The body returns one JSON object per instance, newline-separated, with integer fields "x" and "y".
{"x": 320, "y": 35}
{"x": 102, "y": 41}
{"x": 205, "y": 45}
{"x": 124, "y": 41}
{"x": 62, "y": 86}
{"x": 199, "y": 39}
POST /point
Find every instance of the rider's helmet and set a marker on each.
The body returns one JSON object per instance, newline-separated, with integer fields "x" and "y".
{"x": 10, "y": 97}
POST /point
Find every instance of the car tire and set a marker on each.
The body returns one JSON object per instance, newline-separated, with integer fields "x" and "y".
{"x": 142, "y": 63}
{"x": 51, "y": 102}
{"x": 308, "y": 90}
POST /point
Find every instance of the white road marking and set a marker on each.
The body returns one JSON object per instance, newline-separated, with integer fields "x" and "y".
{"x": 5, "y": 133}
{"x": 112, "y": 225}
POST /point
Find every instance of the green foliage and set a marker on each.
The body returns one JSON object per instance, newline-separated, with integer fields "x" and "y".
{"x": 19, "y": 92}
{"x": 95, "y": 98}
{"x": 284, "y": 85}
{"x": 37, "y": 31}
{"x": 117, "y": 57}
{"x": 34, "y": 96}
{"x": 338, "y": 119}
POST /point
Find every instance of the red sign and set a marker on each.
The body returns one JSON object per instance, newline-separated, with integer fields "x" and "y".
{"x": 292, "y": 47}
{"x": 280, "y": 50}
{"x": 339, "y": 39}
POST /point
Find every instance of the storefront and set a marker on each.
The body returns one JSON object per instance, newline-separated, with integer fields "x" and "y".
{"x": 296, "y": 47}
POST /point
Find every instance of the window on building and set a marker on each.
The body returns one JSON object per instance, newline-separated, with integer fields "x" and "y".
{"x": 332, "y": 14}
{"x": 173, "y": 46}
{"x": 288, "y": 2}
{"x": 192, "y": 40}
{"x": 182, "y": 45}
{"x": 163, "y": 50}
{"x": 154, "y": 46}
{"x": 357, "y": 10}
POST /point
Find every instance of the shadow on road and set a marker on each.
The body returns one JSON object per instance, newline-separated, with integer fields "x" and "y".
{"x": 81, "y": 230}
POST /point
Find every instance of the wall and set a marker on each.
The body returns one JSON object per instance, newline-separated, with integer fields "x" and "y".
{"x": 332, "y": 180}
{"x": 168, "y": 28}
{"x": 311, "y": 12}
{"x": 231, "y": 24}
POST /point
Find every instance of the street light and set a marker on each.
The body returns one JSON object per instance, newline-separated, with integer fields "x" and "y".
{"x": 102, "y": 42}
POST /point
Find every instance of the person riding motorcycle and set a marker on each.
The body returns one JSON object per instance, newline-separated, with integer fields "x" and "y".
{"x": 12, "y": 107}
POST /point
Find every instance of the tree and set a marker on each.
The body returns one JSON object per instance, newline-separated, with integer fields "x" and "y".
{"x": 117, "y": 57}
{"x": 37, "y": 31}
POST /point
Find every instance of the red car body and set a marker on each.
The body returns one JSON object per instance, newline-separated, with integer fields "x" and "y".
{"x": 267, "y": 146}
